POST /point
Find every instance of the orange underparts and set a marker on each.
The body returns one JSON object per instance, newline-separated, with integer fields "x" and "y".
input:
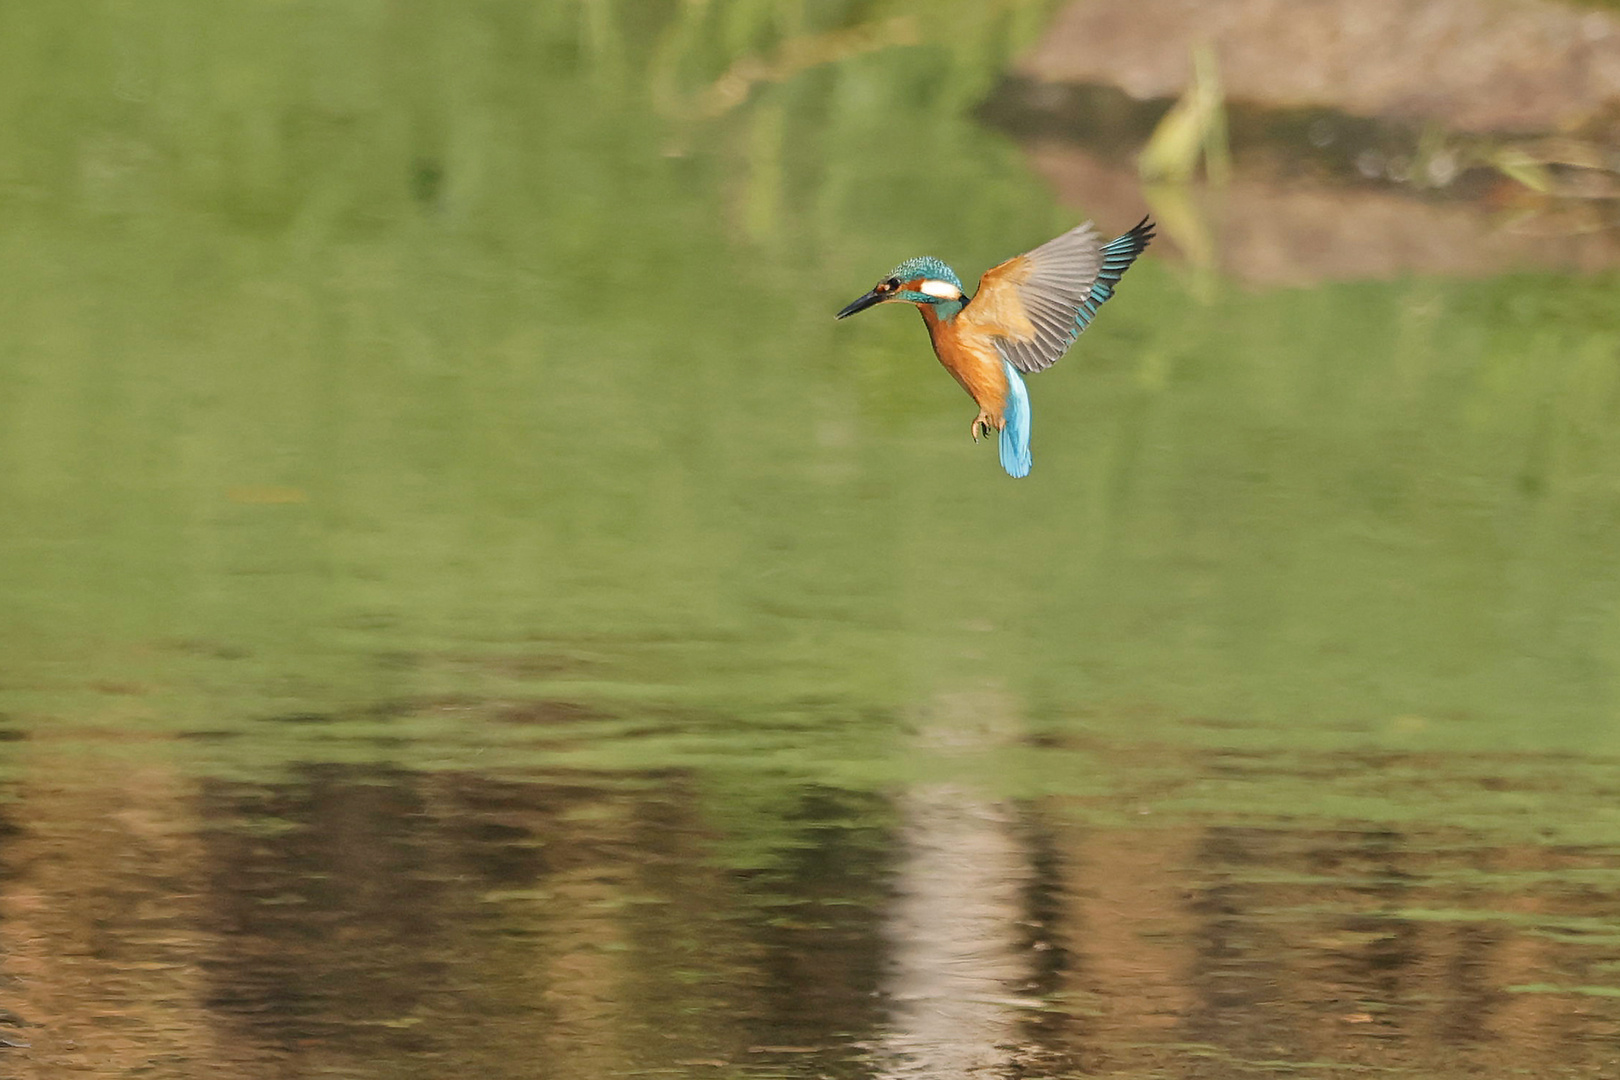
{"x": 971, "y": 358}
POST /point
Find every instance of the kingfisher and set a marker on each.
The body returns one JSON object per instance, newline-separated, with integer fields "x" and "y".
{"x": 1023, "y": 318}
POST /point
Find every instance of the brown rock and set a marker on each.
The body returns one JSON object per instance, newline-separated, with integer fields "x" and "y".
{"x": 1471, "y": 65}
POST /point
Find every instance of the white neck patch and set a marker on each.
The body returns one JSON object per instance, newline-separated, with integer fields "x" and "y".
{"x": 942, "y": 289}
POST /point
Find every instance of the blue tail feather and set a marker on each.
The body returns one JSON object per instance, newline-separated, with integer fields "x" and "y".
{"x": 1015, "y": 435}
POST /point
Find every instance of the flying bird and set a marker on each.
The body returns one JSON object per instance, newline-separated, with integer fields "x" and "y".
{"x": 1025, "y": 315}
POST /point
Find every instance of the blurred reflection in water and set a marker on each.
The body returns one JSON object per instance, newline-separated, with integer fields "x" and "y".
{"x": 956, "y": 927}
{"x": 953, "y": 936}
{"x": 355, "y": 921}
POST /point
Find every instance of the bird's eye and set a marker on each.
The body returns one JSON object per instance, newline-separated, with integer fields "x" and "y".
{"x": 893, "y": 283}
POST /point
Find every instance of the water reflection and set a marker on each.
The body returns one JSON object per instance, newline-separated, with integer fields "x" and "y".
{"x": 958, "y": 951}
{"x": 357, "y": 921}
{"x": 960, "y": 957}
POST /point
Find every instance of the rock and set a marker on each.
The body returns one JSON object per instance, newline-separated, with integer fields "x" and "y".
{"x": 1468, "y": 65}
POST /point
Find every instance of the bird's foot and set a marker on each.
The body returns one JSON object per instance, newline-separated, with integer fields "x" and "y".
{"x": 983, "y": 425}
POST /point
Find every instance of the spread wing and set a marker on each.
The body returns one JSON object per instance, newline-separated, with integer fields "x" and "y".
{"x": 1036, "y": 304}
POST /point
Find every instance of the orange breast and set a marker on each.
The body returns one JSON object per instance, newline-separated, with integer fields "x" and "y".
{"x": 971, "y": 358}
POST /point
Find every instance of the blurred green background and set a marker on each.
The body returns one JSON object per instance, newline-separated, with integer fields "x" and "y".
{"x": 362, "y": 357}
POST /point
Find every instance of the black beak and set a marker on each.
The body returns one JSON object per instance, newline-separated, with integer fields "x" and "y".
{"x": 861, "y": 305}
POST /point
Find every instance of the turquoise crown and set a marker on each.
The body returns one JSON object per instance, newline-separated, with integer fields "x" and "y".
{"x": 925, "y": 266}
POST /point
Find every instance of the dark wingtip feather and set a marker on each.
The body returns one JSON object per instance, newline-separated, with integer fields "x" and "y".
{"x": 1139, "y": 236}
{"x": 1121, "y": 251}
{"x": 1117, "y": 256}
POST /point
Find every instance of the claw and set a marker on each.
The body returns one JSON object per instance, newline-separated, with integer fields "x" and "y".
{"x": 982, "y": 424}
